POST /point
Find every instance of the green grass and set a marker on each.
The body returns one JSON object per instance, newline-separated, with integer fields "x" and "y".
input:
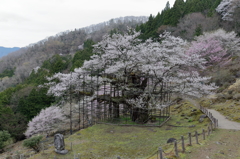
{"x": 126, "y": 120}
{"x": 109, "y": 141}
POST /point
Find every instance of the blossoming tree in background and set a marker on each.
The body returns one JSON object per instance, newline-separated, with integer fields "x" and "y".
{"x": 226, "y": 9}
{"x": 215, "y": 47}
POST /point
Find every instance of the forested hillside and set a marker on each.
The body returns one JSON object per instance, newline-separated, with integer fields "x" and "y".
{"x": 199, "y": 38}
{"x": 24, "y": 60}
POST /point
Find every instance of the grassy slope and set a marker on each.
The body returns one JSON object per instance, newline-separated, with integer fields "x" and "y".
{"x": 107, "y": 141}
{"x": 223, "y": 144}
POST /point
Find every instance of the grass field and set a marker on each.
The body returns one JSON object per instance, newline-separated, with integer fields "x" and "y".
{"x": 129, "y": 142}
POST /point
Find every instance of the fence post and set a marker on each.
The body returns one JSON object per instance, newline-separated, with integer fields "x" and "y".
{"x": 203, "y": 132}
{"x": 42, "y": 147}
{"x": 183, "y": 146}
{"x": 215, "y": 122}
{"x": 196, "y": 135}
{"x": 190, "y": 139}
{"x": 176, "y": 150}
{"x": 161, "y": 153}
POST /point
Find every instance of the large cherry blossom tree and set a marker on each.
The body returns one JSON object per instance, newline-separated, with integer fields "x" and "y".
{"x": 139, "y": 70}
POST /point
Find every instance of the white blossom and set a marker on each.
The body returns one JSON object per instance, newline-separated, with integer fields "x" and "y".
{"x": 123, "y": 54}
{"x": 47, "y": 120}
{"x": 226, "y": 8}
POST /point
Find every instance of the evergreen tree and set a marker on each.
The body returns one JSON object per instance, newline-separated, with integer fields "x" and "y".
{"x": 37, "y": 100}
{"x": 198, "y": 30}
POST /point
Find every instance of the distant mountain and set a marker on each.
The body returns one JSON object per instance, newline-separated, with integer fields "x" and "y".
{"x": 4, "y": 50}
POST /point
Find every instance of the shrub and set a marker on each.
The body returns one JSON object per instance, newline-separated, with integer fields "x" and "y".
{"x": 33, "y": 142}
{"x": 236, "y": 96}
{"x": 4, "y": 136}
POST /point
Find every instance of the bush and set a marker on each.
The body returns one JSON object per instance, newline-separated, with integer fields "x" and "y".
{"x": 236, "y": 96}
{"x": 4, "y": 136}
{"x": 33, "y": 142}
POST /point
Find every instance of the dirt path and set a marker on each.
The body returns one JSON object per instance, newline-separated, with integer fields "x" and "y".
{"x": 223, "y": 122}
{"x": 223, "y": 144}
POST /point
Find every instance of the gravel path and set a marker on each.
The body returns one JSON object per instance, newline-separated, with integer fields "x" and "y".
{"x": 223, "y": 122}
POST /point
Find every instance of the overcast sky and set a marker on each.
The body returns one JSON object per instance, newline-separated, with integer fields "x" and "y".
{"x": 23, "y": 22}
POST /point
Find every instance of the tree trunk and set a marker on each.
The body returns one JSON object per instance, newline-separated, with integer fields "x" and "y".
{"x": 140, "y": 115}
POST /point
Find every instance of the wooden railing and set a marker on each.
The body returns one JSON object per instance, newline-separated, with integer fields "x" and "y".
{"x": 179, "y": 146}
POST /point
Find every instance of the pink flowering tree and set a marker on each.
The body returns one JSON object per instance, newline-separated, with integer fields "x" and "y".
{"x": 215, "y": 47}
{"x": 211, "y": 50}
{"x": 47, "y": 120}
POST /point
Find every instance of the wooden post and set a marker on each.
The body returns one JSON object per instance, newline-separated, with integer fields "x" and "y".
{"x": 211, "y": 127}
{"x": 216, "y": 122}
{"x": 208, "y": 130}
{"x": 190, "y": 139}
{"x": 203, "y": 132}
{"x": 161, "y": 153}
{"x": 183, "y": 146}
{"x": 196, "y": 135}
{"x": 43, "y": 147}
{"x": 175, "y": 147}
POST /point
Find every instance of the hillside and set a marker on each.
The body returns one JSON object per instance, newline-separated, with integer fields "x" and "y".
{"x": 112, "y": 73}
{"x": 109, "y": 141}
{"x": 4, "y": 51}
{"x": 65, "y": 43}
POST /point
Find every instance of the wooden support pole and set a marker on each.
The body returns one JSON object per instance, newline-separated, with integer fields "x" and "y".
{"x": 175, "y": 147}
{"x": 208, "y": 130}
{"x": 203, "y": 132}
{"x": 211, "y": 127}
{"x": 190, "y": 139}
{"x": 183, "y": 146}
{"x": 216, "y": 122}
{"x": 160, "y": 153}
{"x": 196, "y": 136}
{"x": 42, "y": 147}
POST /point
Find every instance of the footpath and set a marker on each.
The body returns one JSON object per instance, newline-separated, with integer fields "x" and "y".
{"x": 223, "y": 122}
{"x": 224, "y": 144}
